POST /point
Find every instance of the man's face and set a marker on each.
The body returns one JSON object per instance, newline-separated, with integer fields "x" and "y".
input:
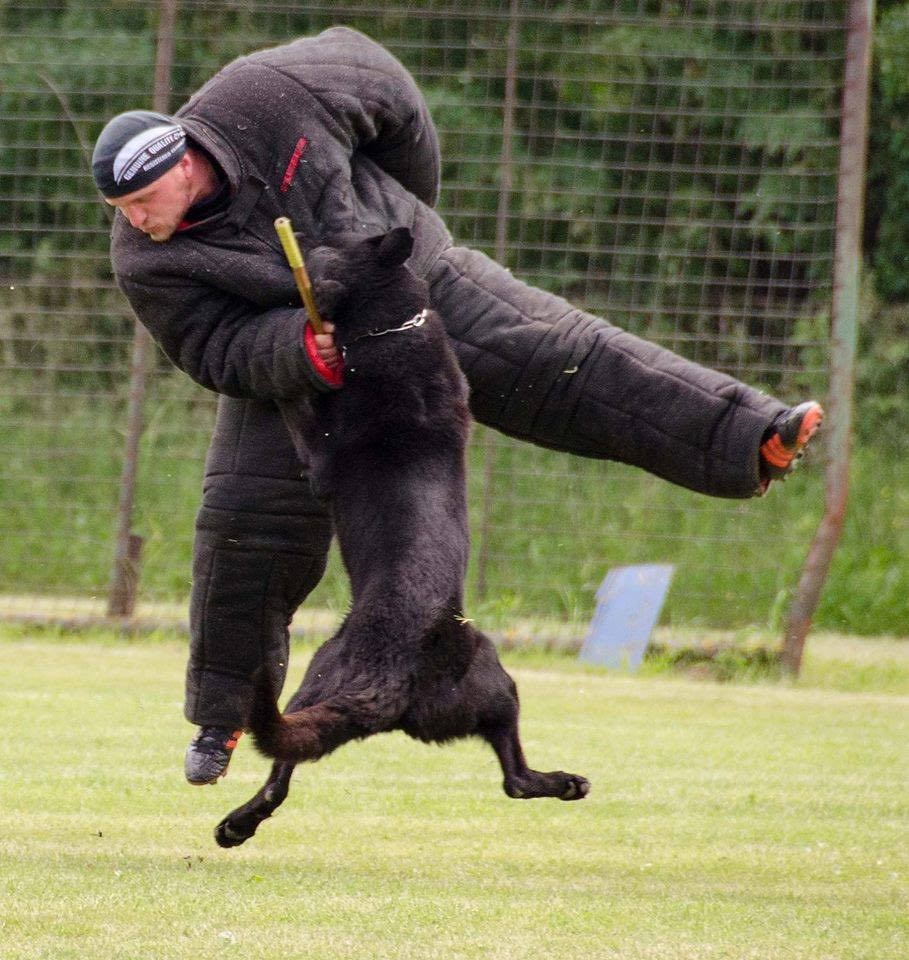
{"x": 158, "y": 209}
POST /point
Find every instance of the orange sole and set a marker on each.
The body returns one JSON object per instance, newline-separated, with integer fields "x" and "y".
{"x": 813, "y": 419}
{"x": 780, "y": 456}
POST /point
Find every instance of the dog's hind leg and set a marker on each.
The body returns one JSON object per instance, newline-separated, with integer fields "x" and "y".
{"x": 317, "y": 729}
{"x": 496, "y": 696}
{"x": 239, "y": 825}
{"x": 313, "y": 731}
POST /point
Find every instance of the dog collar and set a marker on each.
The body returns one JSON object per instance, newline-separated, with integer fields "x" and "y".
{"x": 416, "y": 321}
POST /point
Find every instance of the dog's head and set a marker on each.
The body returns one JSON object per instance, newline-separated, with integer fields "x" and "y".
{"x": 364, "y": 284}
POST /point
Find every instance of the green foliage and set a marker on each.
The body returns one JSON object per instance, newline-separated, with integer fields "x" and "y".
{"x": 889, "y": 160}
{"x": 729, "y": 147}
{"x": 674, "y": 167}
{"x": 53, "y": 106}
{"x": 882, "y": 371}
{"x": 554, "y": 528}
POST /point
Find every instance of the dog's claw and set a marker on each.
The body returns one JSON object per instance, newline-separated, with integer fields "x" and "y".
{"x": 226, "y": 836}
{"x": 577, "y": 789}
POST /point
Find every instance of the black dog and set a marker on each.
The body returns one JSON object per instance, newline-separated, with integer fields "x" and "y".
{"x": 388, "y": 453}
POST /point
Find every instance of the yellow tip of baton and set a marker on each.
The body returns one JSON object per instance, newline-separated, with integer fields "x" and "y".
{"x": 285, "y": 231}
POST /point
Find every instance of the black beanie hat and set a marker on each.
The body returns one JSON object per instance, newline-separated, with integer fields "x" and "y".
{"x": 134, "y": 149}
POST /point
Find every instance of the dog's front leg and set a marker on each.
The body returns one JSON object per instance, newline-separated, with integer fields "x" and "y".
{"x": 522, "y": 783}
{"x": 495, "y": 699}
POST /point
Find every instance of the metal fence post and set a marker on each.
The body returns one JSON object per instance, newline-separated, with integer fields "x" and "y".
{"x": 121, "y": 598}
{"x": 844, "y": 326}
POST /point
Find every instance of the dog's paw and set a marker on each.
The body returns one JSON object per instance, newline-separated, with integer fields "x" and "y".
{"x": 576, "y": 788}
{"x": 532, "y": 784}
{"x": 227, "y": 835}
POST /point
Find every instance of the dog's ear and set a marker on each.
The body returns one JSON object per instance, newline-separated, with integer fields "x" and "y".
{"x": 395, "y": 247}
{"x": 328, "y": 295}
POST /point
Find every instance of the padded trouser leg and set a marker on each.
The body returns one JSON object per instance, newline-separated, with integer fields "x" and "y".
{"x": 542, "y": 370}
{"x": 261, "y": 545}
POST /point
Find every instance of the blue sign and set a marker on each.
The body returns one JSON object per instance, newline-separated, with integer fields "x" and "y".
{"x": 629, "y": 602}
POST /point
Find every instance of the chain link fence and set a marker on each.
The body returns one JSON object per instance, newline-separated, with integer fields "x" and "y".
{"x": 672, "y": 166}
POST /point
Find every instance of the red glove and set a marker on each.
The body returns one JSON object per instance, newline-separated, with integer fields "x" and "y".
{"x": 332, "y": 377}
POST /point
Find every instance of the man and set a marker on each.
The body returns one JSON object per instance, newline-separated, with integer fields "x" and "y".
{"x": 332, "y": 132}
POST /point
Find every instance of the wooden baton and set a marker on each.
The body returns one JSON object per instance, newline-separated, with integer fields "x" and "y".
{"x": 288, "y": 240}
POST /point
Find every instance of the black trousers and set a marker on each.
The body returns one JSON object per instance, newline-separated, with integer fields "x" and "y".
{"x": 539, "y": 369}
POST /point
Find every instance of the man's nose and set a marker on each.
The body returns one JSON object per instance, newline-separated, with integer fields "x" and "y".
{"x": 136, "y": 216}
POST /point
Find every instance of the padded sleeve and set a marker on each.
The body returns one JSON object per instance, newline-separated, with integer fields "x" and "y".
{"x": 225, "y": 344}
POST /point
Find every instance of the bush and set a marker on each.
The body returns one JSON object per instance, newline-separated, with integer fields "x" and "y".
{"x": 882, "y": 371}
{"x": 888, "y": 180}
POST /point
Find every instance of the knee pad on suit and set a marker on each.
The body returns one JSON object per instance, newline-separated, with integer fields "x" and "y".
{"x": 250, "y": 573}
{"x": 261, "y": 544}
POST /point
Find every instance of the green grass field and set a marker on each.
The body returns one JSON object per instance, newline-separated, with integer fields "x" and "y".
{"x": 762, "y": 821}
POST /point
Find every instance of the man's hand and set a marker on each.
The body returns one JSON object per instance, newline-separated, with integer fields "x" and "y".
{"x": 324, "y": 357}
{"x": 325, "y": 346}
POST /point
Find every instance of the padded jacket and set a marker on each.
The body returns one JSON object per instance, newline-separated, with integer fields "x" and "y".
{"x": 330, "y": 131}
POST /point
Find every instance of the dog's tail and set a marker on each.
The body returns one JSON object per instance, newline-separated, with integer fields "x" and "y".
{"x": 306, "y": 734}
{"x": 265, "y": 718}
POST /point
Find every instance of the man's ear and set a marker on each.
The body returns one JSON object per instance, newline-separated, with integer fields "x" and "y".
{"x": 328, "y": 294}
{"x": 395, "y": 247}
{"x": 188, "y": 162}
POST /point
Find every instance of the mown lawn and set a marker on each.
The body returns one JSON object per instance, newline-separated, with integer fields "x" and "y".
{"x": 726, "y": 821}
